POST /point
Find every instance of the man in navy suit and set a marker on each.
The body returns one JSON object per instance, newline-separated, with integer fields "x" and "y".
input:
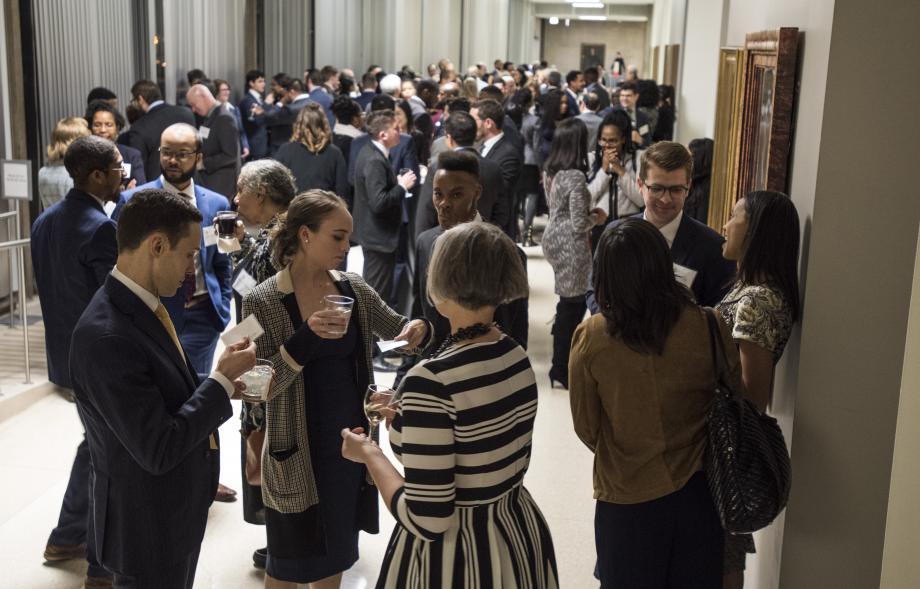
{"x": 73, "y": 250}
{"x": 144, "y": 134}
{"x": 664, "y": 181}
{"x": 201, "y": 310}
{"x": 368, "y": 90}
{"x": 322, "y": 84}
{"x": 150, "y": 419}
{"x": 253, "y": 124}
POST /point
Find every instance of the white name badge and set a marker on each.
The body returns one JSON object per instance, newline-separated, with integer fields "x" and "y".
{"x": 209, "y": 234}
{"x": 643, "y": 130}
{"x": 127, "y": 168}
{"x": 248, "y": 327}
{"x": 204, "y": 133}
{"x": 244, "y": 283}
{"x": 684, "y": 275}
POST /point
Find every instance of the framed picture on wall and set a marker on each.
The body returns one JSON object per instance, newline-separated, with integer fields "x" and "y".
{"x": 723, "y": 190}
{"x": 769, "y": 96}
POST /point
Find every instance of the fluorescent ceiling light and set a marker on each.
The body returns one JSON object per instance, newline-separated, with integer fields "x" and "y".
{"x": 592, "y": 17}
{"x": 587, "y": 4}
{"x": 554, "y": 20}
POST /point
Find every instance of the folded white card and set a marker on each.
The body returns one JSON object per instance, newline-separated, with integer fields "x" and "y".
{"x": 209, "y": 234}
{"x": 244, "y": 283}
{"x": 392, "y": 345}
{"x": 248, "y": 327}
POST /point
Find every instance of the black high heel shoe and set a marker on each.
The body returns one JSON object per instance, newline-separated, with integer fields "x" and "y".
{"x": 557, "y": 378}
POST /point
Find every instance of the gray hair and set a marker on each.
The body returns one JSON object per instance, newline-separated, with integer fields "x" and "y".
{"x": 476, "y": 265}
{"x": 269, "y": 176}
{"x": 390, "y": 84}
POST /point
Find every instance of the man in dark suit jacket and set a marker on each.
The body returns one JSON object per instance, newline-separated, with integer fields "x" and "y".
{"x": 73, "y": 250}
{"x": 497, "y": 148}
{"x": 144, "y": 134}
{"x": 574, "y": 84}
{"x": 369, "y": 90}
{"x": 201, "y": 311}
{"x": 492, "y": 203}
{"x": 150, "y": 418}
{"x": 664, "y": 181}
{"x": 322, "y": 83}
{"x": 220, "y": 143}
{"x": 279, "y": 118}
{"x": 253, "y": 124}
{"x": 378, "y": 208}
{"x": 642, "y": 132}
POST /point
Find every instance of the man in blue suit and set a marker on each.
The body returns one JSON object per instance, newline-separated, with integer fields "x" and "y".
{"x": 73, "y": 250}
{"x": 323, "y": 85}
{"x": 150, "y": 419}
{"x": 201, "y": 310}
{"x": 254, "y": 124}
{"x": 696, "y": 250}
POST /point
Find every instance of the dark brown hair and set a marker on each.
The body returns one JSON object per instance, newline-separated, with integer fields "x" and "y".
{"x": 666, "y": 156}
{"x": 308, "y": 209}
{"x": 151, "y": 211}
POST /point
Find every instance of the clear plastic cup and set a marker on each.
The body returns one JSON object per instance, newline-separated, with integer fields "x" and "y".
{"x": 343, "y": 305}
{"x": 258, "y": 380}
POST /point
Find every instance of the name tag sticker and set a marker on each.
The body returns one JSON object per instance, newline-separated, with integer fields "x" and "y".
{"x": 643, "y": 130}
{"x": 244, "y": 283}
{"x": 204, "y": 133}
{"x": 209, "y": 234}
{"x": 126, "y": 167}
{"x": 684, "y": 275}
{"x": 248, "y": 327}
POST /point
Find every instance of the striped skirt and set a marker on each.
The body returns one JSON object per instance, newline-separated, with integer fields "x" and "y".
{"x": 504, "y": 544}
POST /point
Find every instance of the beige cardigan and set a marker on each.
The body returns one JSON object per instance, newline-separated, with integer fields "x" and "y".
{"x": 644, "y": 415}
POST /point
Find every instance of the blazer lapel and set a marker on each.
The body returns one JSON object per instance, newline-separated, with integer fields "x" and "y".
{"x": 680, "y": 249}
{"x": 147, "y": 323}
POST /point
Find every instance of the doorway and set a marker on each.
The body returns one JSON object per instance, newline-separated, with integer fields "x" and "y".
{"x": 592, "y": 56}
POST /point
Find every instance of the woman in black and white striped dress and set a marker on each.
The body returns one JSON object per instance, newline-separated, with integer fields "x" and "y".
{"x": 463, "y": 434}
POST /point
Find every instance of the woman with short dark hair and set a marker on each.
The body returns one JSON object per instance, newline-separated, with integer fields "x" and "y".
{"x": 463, "y": 432}
{"x": 762, "y": 236}
{"x": 641, "y": 385}
{"x": 105, "y": 121}
{"x": 565, "y": 240}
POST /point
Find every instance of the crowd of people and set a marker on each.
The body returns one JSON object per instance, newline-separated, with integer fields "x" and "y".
{"x": 439, "y": 179}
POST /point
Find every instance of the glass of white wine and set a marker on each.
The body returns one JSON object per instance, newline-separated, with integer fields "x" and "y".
{"x": 376, "y": 399}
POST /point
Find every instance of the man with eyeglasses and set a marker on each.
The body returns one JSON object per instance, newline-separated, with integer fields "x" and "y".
{"x": 696, "y": 249}
{"x": 73, "y": 250}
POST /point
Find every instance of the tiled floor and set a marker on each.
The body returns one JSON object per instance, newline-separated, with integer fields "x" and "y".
{"x": 39, "y": 444}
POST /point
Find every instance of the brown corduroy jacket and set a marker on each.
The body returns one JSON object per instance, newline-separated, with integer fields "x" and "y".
{"x": 644, "y": 415}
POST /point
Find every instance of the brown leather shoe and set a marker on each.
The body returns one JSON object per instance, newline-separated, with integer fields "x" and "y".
{"x": 225, "y": 494}
{"x": 55, "y": 553}
{"x": 97, "y": 583}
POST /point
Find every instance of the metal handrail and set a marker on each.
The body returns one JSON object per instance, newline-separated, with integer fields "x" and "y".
{"x": 8, "y": 214}
{"x": 20, "y": 244}
{"x": 8, "y": 245}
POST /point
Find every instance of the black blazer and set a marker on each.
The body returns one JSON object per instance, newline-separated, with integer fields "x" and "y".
{"x": 73, "y": 250}
{"x": 511, "y": 162}
{"x": 144, "y": 134}
{"x": 491, "y": 202}
{"x": 378, "y": 207}
{"x": 148, "y": 419}
{"x": 280, "y": 122}
{"x": 221, "y": 152}
{"x": 325, "y": 170}
{"x": 698, "y": 247}
{"x": 133, "y": 157}
{"x": 511, "y": 317}
{"x": 254, "y": 127}
{"x": 513, "y": 134}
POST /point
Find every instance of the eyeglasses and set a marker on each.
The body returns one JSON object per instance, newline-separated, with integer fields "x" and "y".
{"x": 177, "y": 155}
{"x": 675, "y": 191}
{"x": 121, "y": 170}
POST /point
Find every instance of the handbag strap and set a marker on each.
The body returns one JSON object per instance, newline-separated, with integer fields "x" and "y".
{"x": 716, "y": 349}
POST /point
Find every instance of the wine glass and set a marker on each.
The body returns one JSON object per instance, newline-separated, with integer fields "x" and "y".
{"x": 377, "y": 398}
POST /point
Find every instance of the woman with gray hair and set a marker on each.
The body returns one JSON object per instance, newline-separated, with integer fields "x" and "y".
{"x": 264, "y": 190}
{"x": 463, "y": 433}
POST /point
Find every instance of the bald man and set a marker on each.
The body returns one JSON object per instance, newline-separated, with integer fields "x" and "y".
{"x": 220, "y": 142}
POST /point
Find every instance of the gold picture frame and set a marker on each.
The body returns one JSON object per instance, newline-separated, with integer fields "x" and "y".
{"x": 727, "y": 141}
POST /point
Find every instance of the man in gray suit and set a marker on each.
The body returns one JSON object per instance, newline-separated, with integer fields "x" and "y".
{"x": 592, "y": 120}
{"x": 220, "y": 142}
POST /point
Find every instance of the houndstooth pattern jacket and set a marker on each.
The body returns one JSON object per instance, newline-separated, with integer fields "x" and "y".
{"x": 288, "y": 484}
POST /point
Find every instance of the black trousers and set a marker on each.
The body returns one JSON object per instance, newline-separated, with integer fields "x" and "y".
{"x": 569, "y": 313}
{"x": 175, "y": 576}
{"x": 672, "y": 542}
{"x": 378, "y": 273}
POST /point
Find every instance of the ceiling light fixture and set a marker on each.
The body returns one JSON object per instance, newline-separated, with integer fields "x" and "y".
{"x": 587, "y": 4}
{"x": 554, "y": 20}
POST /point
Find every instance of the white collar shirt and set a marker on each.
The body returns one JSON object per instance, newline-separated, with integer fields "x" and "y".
{"x": 488, "y": 144}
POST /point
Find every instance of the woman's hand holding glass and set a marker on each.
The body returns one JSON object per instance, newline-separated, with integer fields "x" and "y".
{"x": 328, "y": 324}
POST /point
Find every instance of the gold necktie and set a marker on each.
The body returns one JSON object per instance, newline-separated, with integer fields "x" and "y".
{"x": 163, "y": 316}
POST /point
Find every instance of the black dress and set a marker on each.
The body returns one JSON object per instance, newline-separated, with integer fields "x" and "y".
{"x": 331, "y": 405}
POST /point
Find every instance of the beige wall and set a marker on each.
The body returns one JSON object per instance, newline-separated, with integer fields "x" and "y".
{"x": 562, "y": 44}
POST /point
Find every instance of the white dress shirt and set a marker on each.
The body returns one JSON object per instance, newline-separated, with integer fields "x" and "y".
{"x": 152, "y": 302}
{"x": 669, "y": 231}
{"x": 488, "y": 144}
{"x": 189, "y": 192}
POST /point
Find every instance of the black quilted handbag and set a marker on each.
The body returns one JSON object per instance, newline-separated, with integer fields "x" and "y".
{"x": 746, "y": 460}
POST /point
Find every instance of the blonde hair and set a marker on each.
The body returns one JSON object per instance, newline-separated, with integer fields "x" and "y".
{"x": 308, "y": 209}
{"x": 311, "y": 128}
{"x": 65, "y": 132}
{"x": 476, "y": 265}
{"x": 469, "y": 89}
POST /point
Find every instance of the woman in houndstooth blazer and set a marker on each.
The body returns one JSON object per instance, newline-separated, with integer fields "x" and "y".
{"x": 316, "y": 501}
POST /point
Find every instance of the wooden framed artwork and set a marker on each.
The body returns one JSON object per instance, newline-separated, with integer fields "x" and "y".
{"x": 769, "y": 96}
{"x": 727, "y": 141}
